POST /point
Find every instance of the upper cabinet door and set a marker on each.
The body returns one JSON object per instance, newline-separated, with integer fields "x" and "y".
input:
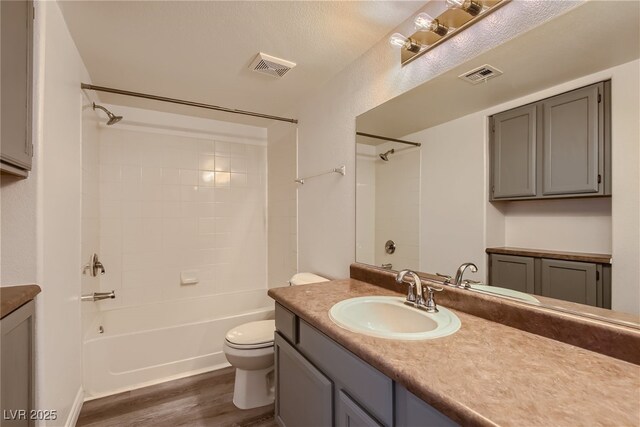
{"x": 513, "y": 146}
{"x": 15, "y": 90}
{"x": 572, "y": 147}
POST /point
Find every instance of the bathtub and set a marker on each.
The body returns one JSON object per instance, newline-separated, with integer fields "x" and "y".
{"x": 154, "y": 343}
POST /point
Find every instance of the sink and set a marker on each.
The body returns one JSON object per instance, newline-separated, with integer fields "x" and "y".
{"x": 506, "y": 292}
{"x": 389, "y": 317}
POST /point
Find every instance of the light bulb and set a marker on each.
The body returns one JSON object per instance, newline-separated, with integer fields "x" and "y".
{"x": 424, "y": 22}
{"x": 470, "y": 6}
{"x": 398, "y": 40}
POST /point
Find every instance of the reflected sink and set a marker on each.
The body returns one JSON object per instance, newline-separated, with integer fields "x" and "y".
{"x": 389, "y": 317}
{"x": 506, "y": 292}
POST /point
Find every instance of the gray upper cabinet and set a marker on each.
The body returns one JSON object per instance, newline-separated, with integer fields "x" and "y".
{"x": 572, "y": 152}
{"x": 557, "y": 147}
{"x": 15, "y": 86}
{"x": 514, "y": 153}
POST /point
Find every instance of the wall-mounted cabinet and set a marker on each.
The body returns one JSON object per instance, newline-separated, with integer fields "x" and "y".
{"x": 16, "y": 149}
{"x": 576, "y": 281}
{"x": 557, "y": 147}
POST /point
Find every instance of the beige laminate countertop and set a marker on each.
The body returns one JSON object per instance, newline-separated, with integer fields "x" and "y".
{"x": 486, "y": 373}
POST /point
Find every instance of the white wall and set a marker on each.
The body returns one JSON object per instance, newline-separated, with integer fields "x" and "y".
{"x": 326, "y": 132}
{"x": 59, "y": 181}
{"x": 171, "y": 203}
{"x": 282, "y": 214}
{"x": 366, "y": 203}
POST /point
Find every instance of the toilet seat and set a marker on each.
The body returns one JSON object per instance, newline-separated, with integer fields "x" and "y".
{"x": 252, "y": 335}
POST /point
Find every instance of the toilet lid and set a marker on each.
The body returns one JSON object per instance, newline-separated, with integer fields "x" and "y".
{"x": 252, "y": 333}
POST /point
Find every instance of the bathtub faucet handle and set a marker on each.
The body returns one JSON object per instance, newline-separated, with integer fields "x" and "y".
{"x": 97, "y": 296}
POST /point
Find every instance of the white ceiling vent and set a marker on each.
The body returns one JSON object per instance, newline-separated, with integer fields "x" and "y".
{"x": 267, "y": 64}
{"x": 480, "y": 74}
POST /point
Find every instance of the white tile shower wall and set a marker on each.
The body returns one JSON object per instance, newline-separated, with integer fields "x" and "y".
{"x": 397, "y": 206}
{"x": 365, "y": 203}
{"x": 172, "y": 203}
{"x": 282, "y": 240}
{"x": 90, "y": 242}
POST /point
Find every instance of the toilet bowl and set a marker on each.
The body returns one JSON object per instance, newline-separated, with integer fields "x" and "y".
{"x": 249, "y": 349}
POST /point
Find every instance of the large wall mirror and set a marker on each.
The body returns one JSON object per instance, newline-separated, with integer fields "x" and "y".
{"x": 531, "y": 175}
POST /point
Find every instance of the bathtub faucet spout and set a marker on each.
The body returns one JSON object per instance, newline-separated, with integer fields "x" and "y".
{"x": 97, "y": 296}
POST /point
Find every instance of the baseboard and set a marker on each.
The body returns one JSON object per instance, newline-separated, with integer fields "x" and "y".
{"x": 72, "y": 419}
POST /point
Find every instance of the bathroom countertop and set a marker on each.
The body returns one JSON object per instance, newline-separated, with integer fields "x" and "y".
{"x": 487, "y": 373}
{"x": 13, "y": 297}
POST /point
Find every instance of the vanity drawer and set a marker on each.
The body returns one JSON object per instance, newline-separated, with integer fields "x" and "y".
{"x": 369, "y": 387}
{"x": 286, "y": 323}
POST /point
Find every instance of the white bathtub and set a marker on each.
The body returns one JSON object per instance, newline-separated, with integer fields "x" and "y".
{"x": 145, "y": 345}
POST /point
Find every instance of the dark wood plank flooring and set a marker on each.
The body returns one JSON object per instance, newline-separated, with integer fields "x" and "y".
{"x": 200, "y": 400}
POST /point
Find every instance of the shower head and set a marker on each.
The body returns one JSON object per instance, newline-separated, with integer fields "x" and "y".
{"x": 112, "y": 117}
{"x": 385, "y": 156}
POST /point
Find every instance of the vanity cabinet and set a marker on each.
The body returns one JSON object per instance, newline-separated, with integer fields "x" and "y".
{"x": 320, "y": 383}
{"x": 557, "y": 147}
{"x": 575, "y": 281}
{"x": 16, "y": 149}
{"x": 17, "y": 366}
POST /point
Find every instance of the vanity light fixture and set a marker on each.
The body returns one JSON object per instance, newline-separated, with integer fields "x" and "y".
{"x": 431, "y": 31}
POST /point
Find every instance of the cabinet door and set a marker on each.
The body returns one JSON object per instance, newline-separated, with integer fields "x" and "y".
{"x": 15, "y": 85}
{"x": 512, "y": 272}
{"x": 350, "y": 414}
{"x": 16, "y": 367}
{"x": 411, "y": 411}
{"x": 513, "y": 145}
{"x": 573, "y": 142}
{"x": 304, "y": 394}
{"x": 570, "y": 281}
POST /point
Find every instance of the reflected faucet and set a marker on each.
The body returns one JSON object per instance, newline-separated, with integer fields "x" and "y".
{"x": 458, "y": 279}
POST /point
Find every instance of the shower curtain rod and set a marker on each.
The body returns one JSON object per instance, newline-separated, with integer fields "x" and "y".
{"x": 386, "y": 138}
{"x": 183, "y": 102}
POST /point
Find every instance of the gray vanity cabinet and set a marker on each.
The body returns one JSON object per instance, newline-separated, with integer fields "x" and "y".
{"x": 557, "y": 147}
{"x": 514, "y": 153}
{"x": 16, "y": 38}
{"x": 572, "y": 281}
{"x": 320, "y": 383}
{"x": 305, "y": 395}
{"x": 512, "y": 272}
{"x": 572, "y": 142}
{"x": 17, "y": 366}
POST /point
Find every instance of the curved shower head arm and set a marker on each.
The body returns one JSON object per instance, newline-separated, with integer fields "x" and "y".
{"x": 112, "y": 117}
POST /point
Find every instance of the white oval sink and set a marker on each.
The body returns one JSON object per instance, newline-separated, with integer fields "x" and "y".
{"x": 389, "y": 317}
{"x": 506, "y": 292}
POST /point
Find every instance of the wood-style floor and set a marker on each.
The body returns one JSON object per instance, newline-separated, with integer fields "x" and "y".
{"x": 201, "y": 400}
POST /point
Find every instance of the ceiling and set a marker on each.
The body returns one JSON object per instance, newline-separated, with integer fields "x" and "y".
{"x": 200, "y": 50}
{"x": 570, "y": 46}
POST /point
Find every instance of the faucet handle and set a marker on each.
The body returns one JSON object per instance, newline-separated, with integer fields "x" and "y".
{"x": 446, "y": 277}
{"x": 429, "y": 302}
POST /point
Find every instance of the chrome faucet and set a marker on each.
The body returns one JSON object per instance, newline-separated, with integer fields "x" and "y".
{"x": 415, "y": 294}
{"x": 458, "y": 279}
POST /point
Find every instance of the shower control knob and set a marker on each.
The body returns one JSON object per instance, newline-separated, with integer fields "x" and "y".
{"x": 390, "y": 247}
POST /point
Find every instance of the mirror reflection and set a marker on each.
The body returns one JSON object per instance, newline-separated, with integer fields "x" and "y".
{"x": 531, "y": 174}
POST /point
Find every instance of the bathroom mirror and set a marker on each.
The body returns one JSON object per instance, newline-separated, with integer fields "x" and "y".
{"x": 433, "y": 201}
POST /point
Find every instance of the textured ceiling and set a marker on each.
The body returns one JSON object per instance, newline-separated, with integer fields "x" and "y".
{"x": 568, "y": 47}
{"x": 200, "y": 51}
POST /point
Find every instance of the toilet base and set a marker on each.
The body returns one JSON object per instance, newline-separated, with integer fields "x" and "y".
{"x": 253, "y": 389}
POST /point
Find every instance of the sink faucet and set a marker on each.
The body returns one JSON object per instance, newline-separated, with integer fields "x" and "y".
{"x": 458, "y": 279}
{"x": 415, "y": 294}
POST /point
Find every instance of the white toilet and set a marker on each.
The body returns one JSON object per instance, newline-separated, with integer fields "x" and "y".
{"x": 249, "y": 349}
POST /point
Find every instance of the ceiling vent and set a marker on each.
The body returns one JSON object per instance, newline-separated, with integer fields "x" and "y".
{"x": 267, "y": 64}
{"x": 480, "y": 74}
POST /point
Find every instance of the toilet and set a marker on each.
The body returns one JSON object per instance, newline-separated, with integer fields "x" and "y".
{"x": 249, "y": 349}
